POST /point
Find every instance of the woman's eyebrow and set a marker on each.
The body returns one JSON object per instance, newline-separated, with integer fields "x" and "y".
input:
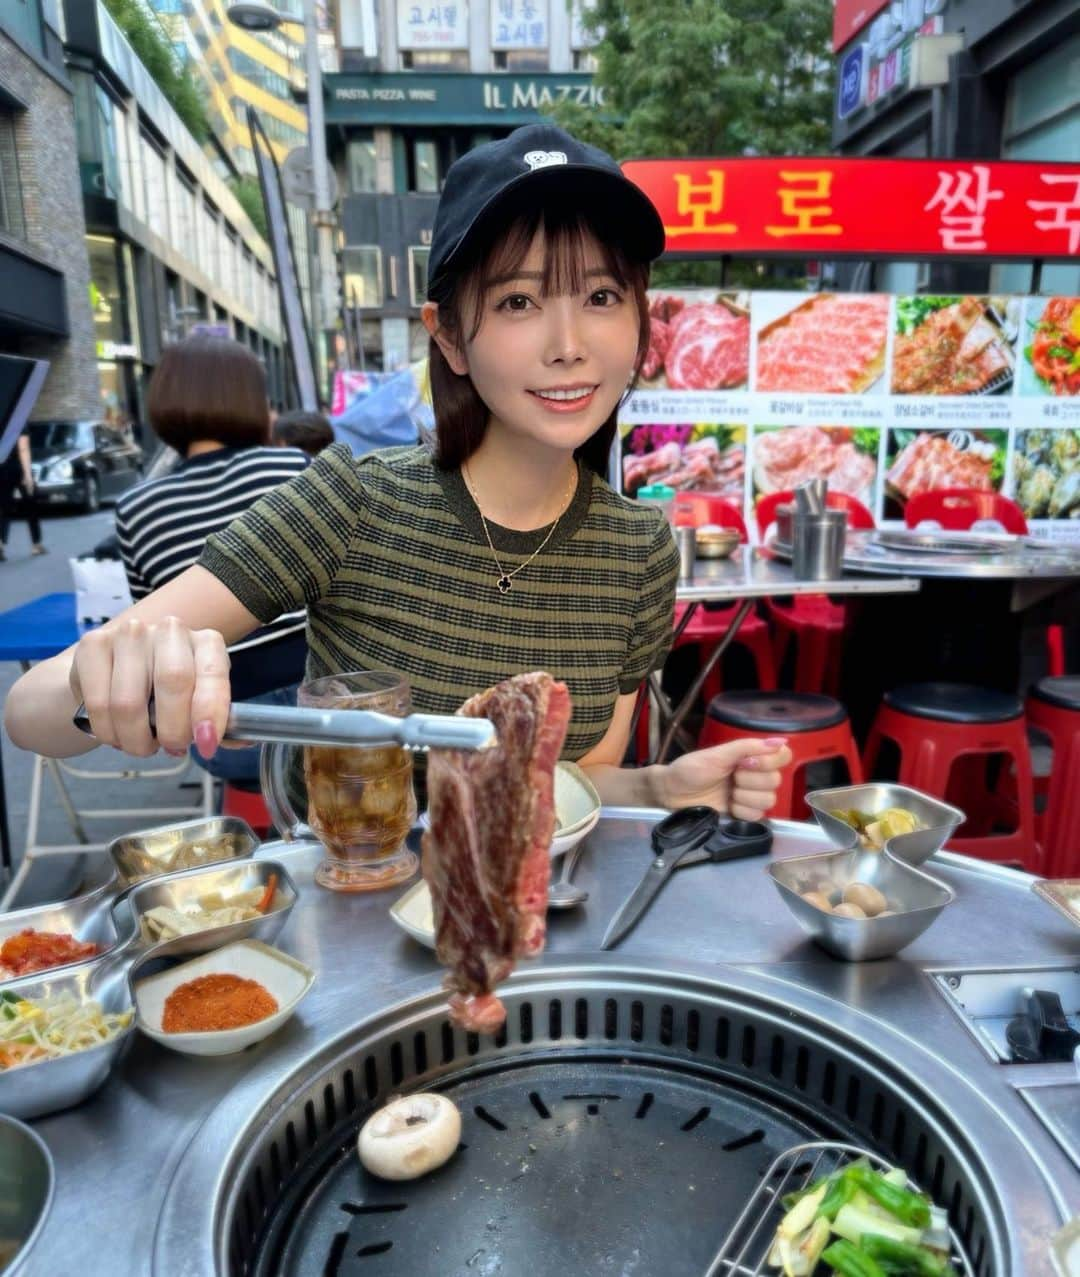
{"x": 536, "y": 275}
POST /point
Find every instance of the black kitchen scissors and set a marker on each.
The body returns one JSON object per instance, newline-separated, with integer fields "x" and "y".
{"x": 691, "y": 836}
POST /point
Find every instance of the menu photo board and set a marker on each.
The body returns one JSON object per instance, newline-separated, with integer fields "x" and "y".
{"x": 884, "y": 396}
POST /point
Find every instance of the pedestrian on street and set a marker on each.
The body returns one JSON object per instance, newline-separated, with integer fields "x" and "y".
{"x": 17, "y": 479}
{"x": 309, "y": 431}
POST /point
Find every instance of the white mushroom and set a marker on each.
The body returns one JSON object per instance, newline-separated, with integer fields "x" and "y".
{"x": 410, "y": 1136}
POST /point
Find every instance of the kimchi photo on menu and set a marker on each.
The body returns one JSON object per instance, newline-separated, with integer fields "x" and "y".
{"x": 1051, "y": 355}
{"x": 688, "y": 458}
{"x": 955, "y": 345}
{"x": 827, "y": 343}
{"x": 699, "y": 339}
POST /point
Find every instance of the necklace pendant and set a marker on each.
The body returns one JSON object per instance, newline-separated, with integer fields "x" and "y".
{"x": 504, "y": 583}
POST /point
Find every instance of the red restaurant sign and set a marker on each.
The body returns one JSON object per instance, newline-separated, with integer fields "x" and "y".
{"x": 850, "y": 207}
{"x": 850, "y": 16}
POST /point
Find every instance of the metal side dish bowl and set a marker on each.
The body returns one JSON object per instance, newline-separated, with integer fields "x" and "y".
{"x": 191, "y": 844}
{"x": 27, "y": 1183}
{"x": 912, "y": 900}
{"x": 87, "y": 918}
{"x": 936, "y": 822}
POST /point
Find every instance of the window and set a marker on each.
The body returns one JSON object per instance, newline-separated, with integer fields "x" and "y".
{"x": 435, "y": 59}
{"x": 424, "y": 165}
{"x": 585, "y": 60}
{"x": 520, "y": 59}
{"x": 362, "y": 166}
{"x": 418, "y": 276}
{"x": 259, "y": 74}
{"x": 363, "y": 276}
{"x": 106, "y": 297}
{"x": 11, "y": 205}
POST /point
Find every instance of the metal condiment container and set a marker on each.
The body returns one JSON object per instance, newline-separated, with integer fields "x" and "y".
{"x": 686, "y": 541}
{"x": 818, "y": 545}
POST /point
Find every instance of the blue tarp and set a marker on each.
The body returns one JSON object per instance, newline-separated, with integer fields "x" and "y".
{"x": 393, "y": 414}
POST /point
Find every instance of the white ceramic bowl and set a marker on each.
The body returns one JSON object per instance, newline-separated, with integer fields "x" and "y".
{"x": 285, "y": 978}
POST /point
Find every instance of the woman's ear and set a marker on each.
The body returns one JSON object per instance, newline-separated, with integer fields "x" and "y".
{"x": 429, "y": 317}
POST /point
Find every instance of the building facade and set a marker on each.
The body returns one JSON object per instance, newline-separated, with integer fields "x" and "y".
{"x": 1012, "y": 92}
{"x": 45, "y": 307}
{"x": 168, "y": 246}
{"x": 420, "y": 85}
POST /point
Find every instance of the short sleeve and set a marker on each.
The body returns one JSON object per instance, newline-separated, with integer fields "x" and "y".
{"x": 283, "y": 553}
{"x": 654, "y": 622}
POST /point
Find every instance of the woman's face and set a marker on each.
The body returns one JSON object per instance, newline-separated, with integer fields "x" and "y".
{"x": 552, "y": 368}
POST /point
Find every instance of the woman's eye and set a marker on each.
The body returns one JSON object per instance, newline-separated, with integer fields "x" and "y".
{"x": 516, "y": 302}
{"x": 604, "y": 297}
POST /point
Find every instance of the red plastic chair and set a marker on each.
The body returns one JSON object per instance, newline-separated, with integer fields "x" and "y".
{"x": 956, "y": 509}
{"x": 711, "y": 623}
{"x": 814, "y": 621}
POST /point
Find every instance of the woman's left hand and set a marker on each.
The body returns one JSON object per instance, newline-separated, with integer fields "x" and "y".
{"x": 740, "y": 778}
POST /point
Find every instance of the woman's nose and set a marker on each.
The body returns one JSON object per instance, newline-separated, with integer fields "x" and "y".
{"x": 565, "y": 343}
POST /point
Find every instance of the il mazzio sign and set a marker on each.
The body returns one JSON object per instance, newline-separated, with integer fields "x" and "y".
{"x": 913, "y": 209}
{"x": 408, "y": 98}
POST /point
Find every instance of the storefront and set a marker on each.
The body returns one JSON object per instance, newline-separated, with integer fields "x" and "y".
{"x": 113, "y": 303}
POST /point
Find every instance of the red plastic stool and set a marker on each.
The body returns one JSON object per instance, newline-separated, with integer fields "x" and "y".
{"x": 248, "y": 804}
{"x": 944, "y": 728}
{"x": 1053, "y": 707}
{"x": 816, "y": 726}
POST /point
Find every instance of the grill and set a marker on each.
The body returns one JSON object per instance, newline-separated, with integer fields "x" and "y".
{"x": 619, "y": 1124}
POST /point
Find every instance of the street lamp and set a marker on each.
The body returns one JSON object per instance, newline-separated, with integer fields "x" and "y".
{"x": 257, "y": 15}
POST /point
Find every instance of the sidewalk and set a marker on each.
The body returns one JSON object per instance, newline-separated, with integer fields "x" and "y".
{"x": 23, "y": 578}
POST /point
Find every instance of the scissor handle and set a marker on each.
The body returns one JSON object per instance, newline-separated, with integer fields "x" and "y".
{"x": 733, "y": 839}
{"x": 684, "y": 829}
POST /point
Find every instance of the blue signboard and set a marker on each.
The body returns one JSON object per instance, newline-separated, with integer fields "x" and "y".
{"x": 852, "y": 81}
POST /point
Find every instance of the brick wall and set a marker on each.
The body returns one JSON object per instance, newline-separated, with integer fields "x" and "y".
{"x": 55, "y": 228}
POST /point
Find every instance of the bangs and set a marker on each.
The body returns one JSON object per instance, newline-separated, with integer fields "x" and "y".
{"x": 570, "y": 240}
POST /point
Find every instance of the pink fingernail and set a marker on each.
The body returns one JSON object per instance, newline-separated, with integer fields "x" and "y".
{"x": 206, "y": 740}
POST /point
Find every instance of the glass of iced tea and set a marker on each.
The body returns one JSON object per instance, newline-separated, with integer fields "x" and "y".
{"x": 361, "y": 803}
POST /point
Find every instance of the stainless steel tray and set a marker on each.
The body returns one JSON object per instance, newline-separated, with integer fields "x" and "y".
{"x": 1062, "y": 894}
{"x": 945, "y": 542}
{"x": 88, "y": 918}
{"x": 179, "y": 890}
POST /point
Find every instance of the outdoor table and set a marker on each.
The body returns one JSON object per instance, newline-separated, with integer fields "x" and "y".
{"x": 35, "y": 631}
{"x": 123, "y": 1203}
{"x": 747, "y": 575}
{"x": 965, "y": 624}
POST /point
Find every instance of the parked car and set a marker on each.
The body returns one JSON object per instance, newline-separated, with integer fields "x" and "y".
{"x": 83, "y": 463}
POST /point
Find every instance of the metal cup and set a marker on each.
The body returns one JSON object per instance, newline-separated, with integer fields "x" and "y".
{"x": 686, "y": 541}
{"x": 818, "y": 545}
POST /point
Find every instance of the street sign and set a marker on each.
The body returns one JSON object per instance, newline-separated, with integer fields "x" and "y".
{"x": 853, "y": 69}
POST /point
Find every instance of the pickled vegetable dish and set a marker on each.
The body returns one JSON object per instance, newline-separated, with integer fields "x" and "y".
{"x": 875, "y": 830}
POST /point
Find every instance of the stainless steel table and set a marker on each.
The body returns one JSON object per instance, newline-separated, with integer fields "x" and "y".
{"x": 749, "y": 574}
{"x": 120, "y": 1156}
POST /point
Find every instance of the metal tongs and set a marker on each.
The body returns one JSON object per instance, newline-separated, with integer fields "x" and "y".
{"x": 301, "y": 726}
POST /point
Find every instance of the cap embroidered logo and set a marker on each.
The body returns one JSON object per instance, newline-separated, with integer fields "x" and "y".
{"x": 544, "y": 159}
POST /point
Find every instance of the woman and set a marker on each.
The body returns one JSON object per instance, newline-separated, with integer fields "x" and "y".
{"x": 16, "y": 477}
{"x": 502, "y": 551}
{"x": 207, "y": 401}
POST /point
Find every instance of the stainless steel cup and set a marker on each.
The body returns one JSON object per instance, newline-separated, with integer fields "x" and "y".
{"x": 818, "y": 545}
{"x": 686, "y": 540}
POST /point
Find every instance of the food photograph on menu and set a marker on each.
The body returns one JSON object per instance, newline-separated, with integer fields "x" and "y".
{"x": 845, "y": 456}
{"x": 1051, "y": 357}
{"x": 699, "y": 339}
{"x": 955, "y": 345}
{"x": 1046, "y": 473}
{"x": 925, "y": 460}
{"x": 688, "y": 458}
{"x": 826, "y": 343}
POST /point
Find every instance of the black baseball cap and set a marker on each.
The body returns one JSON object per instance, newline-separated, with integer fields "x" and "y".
{"x": 531, "y": 165}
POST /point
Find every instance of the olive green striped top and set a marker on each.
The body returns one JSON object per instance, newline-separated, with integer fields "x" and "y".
{"x": 388, "y": 554}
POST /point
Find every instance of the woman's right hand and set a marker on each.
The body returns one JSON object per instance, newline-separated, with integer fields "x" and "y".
{"x": 116, "y": 669}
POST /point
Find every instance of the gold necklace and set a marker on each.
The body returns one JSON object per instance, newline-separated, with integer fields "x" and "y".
{"x": 504, "y": 580}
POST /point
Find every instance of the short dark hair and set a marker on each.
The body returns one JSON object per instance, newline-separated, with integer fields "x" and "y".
{"x": 461, "y": 416}
{"x": 209, "y": 388}
{"x": 307, "y": 430}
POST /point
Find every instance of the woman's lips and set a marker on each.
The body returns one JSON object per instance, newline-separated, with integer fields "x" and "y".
{"x": 578, "y": 404}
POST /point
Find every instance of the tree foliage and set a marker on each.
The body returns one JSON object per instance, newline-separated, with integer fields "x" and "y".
{"x": 249, "y": 196}
{"x": 154, "y": 50}
{"x": 709, "y": 77}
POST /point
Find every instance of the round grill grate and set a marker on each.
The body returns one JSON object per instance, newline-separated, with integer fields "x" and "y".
{"x": 617, "y": 1125}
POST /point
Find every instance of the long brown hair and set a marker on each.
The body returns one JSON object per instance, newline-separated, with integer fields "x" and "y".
{"x": 209, "y": 388}
{"x": 461, "y": 416}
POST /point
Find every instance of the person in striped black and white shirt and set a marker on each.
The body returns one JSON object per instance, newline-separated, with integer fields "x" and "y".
{"x": 207, "y": 400}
